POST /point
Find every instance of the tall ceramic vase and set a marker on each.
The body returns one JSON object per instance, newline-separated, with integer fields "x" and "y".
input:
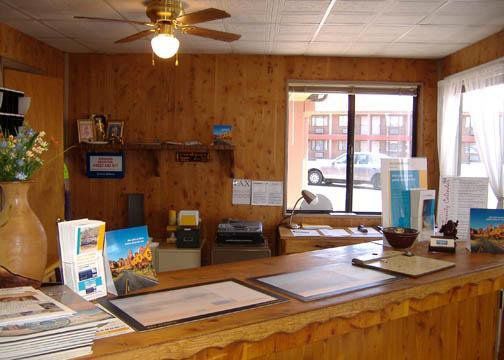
{"x": 23, "y": 242}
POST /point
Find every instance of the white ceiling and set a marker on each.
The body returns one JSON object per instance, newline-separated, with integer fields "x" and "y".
{"x": 390, "y": 28}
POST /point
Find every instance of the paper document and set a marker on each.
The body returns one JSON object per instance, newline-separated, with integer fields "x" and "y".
{"x": 334, "y": 232}
{"x": 25, "y": 304}
{"x": 191, "y": 303}
{"x": 305, "y": 233}
{"x": 268, "y": 193}
{"x": 370, "y": 232}
{"x": 456, "y": 196}
{"x": 325, "y": 281}
{"x": 242, "y": 192}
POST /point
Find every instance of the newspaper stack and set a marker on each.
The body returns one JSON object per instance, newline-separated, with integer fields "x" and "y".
{"x": 54, "y": 324}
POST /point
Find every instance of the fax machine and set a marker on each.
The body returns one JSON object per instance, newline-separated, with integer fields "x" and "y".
{"x": 240, "y": 232}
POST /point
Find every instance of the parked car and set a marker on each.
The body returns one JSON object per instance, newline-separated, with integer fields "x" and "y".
{"x": 366, "y": 169}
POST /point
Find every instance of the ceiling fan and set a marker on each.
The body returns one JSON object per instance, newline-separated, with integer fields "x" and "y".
{"x": 167, "y": 17}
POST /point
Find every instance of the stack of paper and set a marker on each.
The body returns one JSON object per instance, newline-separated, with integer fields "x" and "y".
{"x": 81, "y": 248}
{"x": 56, "y": 325}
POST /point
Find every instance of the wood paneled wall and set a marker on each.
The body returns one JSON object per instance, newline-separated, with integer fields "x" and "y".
{"x": 483, "y": 51}
{"x": 46, "y": 113}
{"x": 182, "y": 103}
{"x": 26, "y": 50}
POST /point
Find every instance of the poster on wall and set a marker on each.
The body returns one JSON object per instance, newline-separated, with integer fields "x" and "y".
{"x": 105, "y": 165}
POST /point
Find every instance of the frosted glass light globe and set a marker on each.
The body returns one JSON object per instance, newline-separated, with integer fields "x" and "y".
{"x": 165, "y": 45}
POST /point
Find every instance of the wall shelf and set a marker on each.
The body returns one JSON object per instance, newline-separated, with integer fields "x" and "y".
{"x": 156, "y": 147}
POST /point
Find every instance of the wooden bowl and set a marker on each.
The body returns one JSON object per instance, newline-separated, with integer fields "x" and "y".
{"x": 399, "y": 237}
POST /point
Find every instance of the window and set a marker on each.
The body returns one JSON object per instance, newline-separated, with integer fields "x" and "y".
{"x": 356, "y": 121}
{"x": 376, "y": 124}
{"x": 319, "y": 124}
{"x": 343, "y": 124}
{"x": 473, "y": 99}
{"x": 364, "y": 125}
{"x": 394, "y": 124}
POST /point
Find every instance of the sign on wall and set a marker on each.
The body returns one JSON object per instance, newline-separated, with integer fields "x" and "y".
{"x": 105, "y": 165}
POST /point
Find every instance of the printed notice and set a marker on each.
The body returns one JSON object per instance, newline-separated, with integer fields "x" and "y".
{"x": 242, "y": 191}
{"x": 457, "y": 195}
{"x": 268, "y": 193}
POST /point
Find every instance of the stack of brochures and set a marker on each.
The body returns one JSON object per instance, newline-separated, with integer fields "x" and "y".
{"x": 81, "y": 248}
{"x": 54, "y": 324}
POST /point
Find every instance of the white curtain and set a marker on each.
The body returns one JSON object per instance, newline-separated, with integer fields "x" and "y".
{"x": 484, "y": 100}
{"x": 448, "y": 126}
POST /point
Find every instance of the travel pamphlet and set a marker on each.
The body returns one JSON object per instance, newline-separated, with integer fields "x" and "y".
{"x": 487, "y": 230}
{"x": 81, "y": 248}
{"x": 457, "y": 195}
{"x": 129, "y": 258}
{"x": 398, "y": 176}
{"x": 423, "y": 203}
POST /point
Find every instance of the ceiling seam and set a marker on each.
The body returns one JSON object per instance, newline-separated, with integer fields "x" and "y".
{"x": 320, "y": 25}
{"x": 419, "y": 22}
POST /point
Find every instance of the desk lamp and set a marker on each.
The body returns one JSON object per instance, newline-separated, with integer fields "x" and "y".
{"x": 310, "y": 198}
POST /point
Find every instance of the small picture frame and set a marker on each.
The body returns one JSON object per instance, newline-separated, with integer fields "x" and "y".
{"x": 100, "y": 125}
{"x": 115, "y": 131}
{"x": 85, "y": 129}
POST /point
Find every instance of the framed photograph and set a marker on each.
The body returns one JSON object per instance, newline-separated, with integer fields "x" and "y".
{"x": 115, "y": 130}
{"x": 85, "y": 128}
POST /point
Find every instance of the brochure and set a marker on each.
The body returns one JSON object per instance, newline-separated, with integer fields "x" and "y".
{"x": 487, "y": 230}
{"x": 423, "y": 203}
{"x": 398, "y": 176}
{"x": 25, "y": 304}
{"x": 457, "y": 195}
{"x": 81, "y": 247}
{"x": 129, "y": 259}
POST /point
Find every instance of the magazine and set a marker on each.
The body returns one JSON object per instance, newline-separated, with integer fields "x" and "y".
{"x": 129, "y": 259}
{"x": 81, "y": 247}
{"x": 398, "y": 176}
{"x": 25, "y": 304}
{"x": 487, "y": 230}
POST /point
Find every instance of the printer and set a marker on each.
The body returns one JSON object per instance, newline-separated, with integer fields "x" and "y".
{"x": 240, "y": 232}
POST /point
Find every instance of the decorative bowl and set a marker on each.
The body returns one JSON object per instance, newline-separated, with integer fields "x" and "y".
{"x": 399, "y": 237}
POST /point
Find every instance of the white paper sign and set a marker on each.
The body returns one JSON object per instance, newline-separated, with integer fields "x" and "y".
{"x": 268, "y": 193}
{"x": 242, "y": 191}
{"x": 457, "y": 195}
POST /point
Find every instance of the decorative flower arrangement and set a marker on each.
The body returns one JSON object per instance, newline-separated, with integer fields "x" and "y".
{"x": 20, "y": 155}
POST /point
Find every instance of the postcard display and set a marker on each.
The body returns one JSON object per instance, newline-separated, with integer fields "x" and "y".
{"x": 398, "y": 177}
{"x": 81, "y": 247}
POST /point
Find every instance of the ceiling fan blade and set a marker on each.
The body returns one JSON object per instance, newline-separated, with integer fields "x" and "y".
{"x": 114, "y": 20}
{"x": 202, "y": 16}
{"x": 212, "y": 34}
{"x": 136, "y": 36}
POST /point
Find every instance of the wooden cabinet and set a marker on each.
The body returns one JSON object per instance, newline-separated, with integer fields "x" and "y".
{"x": 290, "y": 244}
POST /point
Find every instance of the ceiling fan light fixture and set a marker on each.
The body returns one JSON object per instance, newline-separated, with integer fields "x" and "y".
{"x": 165, "y": 45}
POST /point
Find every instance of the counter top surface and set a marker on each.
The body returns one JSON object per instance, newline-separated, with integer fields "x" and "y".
{"x": 255, "y": 324}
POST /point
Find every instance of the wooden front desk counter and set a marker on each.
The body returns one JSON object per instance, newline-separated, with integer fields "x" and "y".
{"x": 451, "y": 314}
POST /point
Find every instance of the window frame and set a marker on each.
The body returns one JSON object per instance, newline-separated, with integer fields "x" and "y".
{"x": 366, "y": 88}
